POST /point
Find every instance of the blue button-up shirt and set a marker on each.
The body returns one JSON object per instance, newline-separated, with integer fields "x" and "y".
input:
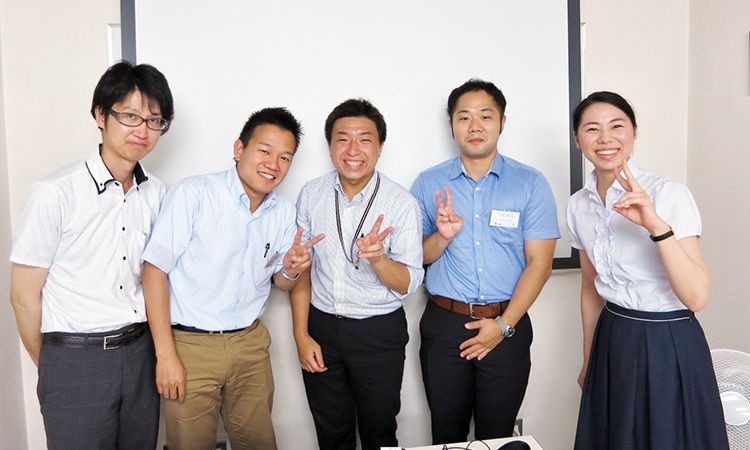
{"x": 512, "y": 203}
{"x": 219, "y": 256}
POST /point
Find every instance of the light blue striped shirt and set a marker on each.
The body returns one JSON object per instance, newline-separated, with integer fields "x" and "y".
{"x": 219, "y": 256}
{"x": 337, "y": 287}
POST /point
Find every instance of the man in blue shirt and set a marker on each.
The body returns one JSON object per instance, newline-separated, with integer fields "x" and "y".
{"x": 218, "y": 241}
{"x": 489, "y": 243}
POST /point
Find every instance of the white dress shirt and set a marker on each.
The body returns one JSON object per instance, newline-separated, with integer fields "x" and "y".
{"x": 338, "y": 287}
{"x": 78, "y": 223}
{"x": 629, "y": 271}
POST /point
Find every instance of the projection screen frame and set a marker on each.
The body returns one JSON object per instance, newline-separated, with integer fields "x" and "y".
{"x": 128, "y": 27}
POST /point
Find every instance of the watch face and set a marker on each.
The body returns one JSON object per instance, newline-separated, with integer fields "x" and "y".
{"x": 509, "y": 332}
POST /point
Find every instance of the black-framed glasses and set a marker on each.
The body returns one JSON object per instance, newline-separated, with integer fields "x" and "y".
{"x": 134, "y": 120}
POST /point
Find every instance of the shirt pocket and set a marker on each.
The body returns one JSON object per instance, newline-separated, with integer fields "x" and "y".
{"x": 506, "y": 235}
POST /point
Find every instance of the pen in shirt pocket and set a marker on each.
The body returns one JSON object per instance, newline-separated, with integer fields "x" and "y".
{"x": 268, "y": 246}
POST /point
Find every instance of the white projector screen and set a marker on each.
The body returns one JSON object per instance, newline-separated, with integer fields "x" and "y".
{"x": 226, "y": 59}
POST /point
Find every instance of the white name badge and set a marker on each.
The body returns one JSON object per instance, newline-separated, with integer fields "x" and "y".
{"x": 507, "y": 219}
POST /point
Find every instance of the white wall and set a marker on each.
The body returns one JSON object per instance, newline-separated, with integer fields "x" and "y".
{"x": 12, "y": 423}
{"x": 52, "y": 54}
{"x": 719, "y": 159}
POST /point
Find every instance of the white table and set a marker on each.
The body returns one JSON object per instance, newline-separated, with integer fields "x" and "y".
{"x": 493, "y": 444}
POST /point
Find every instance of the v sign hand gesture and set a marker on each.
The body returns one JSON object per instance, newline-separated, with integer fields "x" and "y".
{"x": 636, "y": 205}
{"x": 371, "y": 245}
{"x": 297, "y": 259}
{"x": 448, "y": 222}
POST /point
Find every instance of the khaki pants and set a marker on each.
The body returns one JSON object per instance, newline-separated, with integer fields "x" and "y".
{"x": 227, "y": 374}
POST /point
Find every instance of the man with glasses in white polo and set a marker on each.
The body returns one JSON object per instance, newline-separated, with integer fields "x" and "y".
{"x": 75, "y": 279}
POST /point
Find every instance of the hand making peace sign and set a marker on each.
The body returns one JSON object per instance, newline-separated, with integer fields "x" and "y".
{"x": 371, "y": 245}
{"x": 636, "y": 205}
{"x": 448, "y": 222}
{"x": 298, "y": 259}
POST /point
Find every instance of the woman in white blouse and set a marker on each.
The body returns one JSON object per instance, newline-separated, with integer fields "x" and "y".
{"x": 647, "y": 376}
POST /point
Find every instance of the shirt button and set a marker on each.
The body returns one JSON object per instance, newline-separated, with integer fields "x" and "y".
{"x": 120, "y": 287}
{"x": 476, "y": 216}
{"x": 480, "y": 270}
{"x": 481, "y": 297}
{"x": 476, "y": 188}
{"x": 477, "y": 242}
{"x": 124, "y": 258}
{"x": 123, "y": 228}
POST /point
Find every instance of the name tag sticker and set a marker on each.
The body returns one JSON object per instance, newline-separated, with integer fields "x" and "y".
{"x": 273, "y": 259}
{"x": 507, "y": 219}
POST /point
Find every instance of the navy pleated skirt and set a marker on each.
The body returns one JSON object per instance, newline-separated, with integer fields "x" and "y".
{"x": 650, "y": 384}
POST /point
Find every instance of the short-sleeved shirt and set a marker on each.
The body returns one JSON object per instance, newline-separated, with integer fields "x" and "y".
{"x": 80, "y": 224}
{"x": 512, "y": 203}
{"x": 338, "y": 287}
{"x": 629, "y": 271}
{"x": 219, "y": 256}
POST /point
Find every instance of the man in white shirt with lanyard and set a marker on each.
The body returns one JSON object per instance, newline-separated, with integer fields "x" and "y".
{"x": 349, "y": 322}
{"x": 75, "y": 280}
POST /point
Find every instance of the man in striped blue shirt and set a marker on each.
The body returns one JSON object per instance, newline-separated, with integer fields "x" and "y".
{"x": 218, "y": 241}
{"x": 349, "y": 321}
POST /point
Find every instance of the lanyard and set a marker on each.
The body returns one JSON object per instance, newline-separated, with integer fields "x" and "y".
{"x": 349, "y": 257}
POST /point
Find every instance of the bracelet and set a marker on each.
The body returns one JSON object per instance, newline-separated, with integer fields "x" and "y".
{"x": 283, "y": 273}
{"x": 661, "y": 237}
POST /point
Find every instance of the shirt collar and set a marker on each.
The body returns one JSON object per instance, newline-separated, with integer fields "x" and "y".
{"x": 459, "y": 168}
{"x": 238, "y": 191}
{"x": 364, "y": 193}
{"x": 101, "y": 175}
{"x": 593, "y": 179}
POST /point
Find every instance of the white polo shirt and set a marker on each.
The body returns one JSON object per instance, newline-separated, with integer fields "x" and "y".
{"x": 78, "y": 223}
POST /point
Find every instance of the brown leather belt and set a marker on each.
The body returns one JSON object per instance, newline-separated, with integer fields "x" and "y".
{"x": 473, "y": 310}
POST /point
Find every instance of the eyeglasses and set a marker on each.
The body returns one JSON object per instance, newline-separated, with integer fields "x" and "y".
{"x": 134, "y": 120}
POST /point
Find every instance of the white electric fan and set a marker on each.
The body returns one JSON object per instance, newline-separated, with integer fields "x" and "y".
{"x": 732, "y": 369}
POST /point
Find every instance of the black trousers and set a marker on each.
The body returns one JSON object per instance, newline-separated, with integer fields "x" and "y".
{"x": 491, "y": 389}
{"x": 365, "y": 361}
{"x": 99, "y": 399}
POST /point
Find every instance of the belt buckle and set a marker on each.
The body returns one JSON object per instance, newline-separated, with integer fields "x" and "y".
{"x": 471, "y": 309}
{"x": 112, "y": 336}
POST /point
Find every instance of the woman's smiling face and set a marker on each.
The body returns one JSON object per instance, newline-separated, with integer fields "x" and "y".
{"x": 605, "y": 136}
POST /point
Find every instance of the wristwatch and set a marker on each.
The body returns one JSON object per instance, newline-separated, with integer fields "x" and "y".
{"x": 507, "y": 330}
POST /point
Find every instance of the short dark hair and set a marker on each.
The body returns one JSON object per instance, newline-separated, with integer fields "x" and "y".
{"x": 123, "y": 78}
{"x": 356, "y": 107}
{"x": 612, "y": 98}
{"x": 473, "y": 85}
{"x": 281, "y": 117}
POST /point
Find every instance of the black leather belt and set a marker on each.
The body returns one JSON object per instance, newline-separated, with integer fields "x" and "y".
{"x": 198, "y": 330}
{"x": 107, "y": 340}
{"x": 473, "y": 310}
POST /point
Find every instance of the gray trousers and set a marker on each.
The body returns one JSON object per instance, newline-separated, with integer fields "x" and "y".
{"x": 99, "y": 399}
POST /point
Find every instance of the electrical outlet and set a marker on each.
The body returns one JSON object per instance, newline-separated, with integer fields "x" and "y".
{"x": 518, "y": 427}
